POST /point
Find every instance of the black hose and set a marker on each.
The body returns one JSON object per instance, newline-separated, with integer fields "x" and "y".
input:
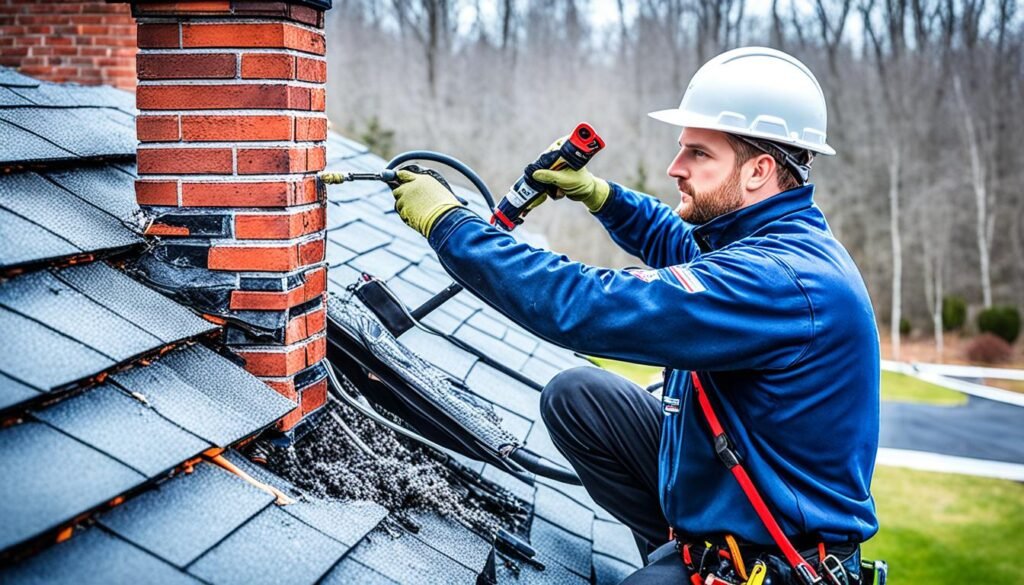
{"x": 450, "y": 161}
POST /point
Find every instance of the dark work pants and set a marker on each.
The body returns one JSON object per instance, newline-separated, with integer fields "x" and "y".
{"x": 609, "y": 429}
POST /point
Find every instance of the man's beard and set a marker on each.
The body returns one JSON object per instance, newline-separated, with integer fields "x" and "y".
{"x": 708, "y": 205}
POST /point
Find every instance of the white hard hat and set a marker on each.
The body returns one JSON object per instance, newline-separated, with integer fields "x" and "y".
{"x": 756, "y": 92}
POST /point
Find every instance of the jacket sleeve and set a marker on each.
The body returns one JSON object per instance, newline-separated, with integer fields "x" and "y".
{"x": 724, "y": 312}
{"x": 647, "y": 228}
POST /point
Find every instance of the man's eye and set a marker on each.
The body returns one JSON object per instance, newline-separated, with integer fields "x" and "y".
{"x": 699, "y": 153}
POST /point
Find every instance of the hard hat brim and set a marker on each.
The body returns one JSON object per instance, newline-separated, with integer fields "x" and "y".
{"x": 678, "y": 117}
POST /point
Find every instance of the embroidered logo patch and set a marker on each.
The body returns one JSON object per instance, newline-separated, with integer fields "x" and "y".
{"x": 669, "y": 405}
{"x": 687, "y": 278}
{"x": 644, "y": 275}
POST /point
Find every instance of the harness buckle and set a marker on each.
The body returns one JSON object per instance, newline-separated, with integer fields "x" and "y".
{"x": 834, "y": 571}
{"x": 725, "y": 452}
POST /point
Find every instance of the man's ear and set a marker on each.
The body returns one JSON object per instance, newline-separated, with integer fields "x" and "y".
{"x": 762, "y": 169}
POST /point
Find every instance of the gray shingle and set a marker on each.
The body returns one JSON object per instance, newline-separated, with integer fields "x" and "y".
{"x": 228, "y": 384}
{"x": 43, "y": 358}
{"x": 18, "y": 145}
{"x": 453, "y": 540}
{"x": 439, "y": 352}
{"x": 348, "y": 572}
{"x": 407, "y": 560}
{"x": 524, "y": 574}
{"x": 123, "y": 428}
{"x": 77, "y": 130}
{"x": 610, "y": 571}
{"x": 87, "y": 227}
{"x": 564, "y": 512}
{"x": 200, "y": 410}
{"x": 502, "y": 390}
{"x": 44, "y": 298}
{"x": 272, "y": 548}
{"x": 561, "y": 546}
{"x": 616, "y": 540}
{"x": 14, "y": 392}
{"x": 58, "y": 478}
{"x": 380, "y": 263}
{"x": 107, "y": 187}
{"x": 22, "y": 241}
{"x": 513, "y": 423}
{"x": 346, "y": 522}
{"x": 184, "y": 517}
{"x": 539, "y": 442}
{"x": 359, "y": 237}
{"x": 492, "y": 347}
{"x": 94, "y": 557}
{"x": 135, "y": 302}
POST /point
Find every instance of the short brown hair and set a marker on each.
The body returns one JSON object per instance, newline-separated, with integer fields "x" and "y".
{"x": 746, "y": 151}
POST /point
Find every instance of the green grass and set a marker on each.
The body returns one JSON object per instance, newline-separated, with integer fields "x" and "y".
{"x": 939, "y": 528}
{"x": 642, "y": 375}
{"x": 903, "y": 388}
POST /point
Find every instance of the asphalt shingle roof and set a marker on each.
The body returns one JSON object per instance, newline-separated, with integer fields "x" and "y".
{"x": 110, "y": 394}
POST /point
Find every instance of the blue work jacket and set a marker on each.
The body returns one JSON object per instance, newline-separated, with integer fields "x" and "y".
{"x": 764, "y": 303}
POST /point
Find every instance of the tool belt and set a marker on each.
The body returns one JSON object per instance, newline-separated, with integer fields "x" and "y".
{"x": 727, "y": 565}
{"x": 732, "y": 563}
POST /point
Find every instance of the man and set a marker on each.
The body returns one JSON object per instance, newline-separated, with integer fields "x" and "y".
{"x": 748, "y": 289}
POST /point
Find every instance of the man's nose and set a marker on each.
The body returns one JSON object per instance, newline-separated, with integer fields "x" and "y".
{"x": 676, "y": 169}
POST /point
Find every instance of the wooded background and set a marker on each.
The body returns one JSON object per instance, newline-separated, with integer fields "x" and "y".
{"x": 925, "y": 101}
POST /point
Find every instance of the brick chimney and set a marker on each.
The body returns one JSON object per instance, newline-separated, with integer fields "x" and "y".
{"x": 232, "y": 131}
{"x": 91, "y": 43}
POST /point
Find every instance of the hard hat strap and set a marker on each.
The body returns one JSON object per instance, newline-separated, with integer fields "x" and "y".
{"x": 788, "y": 157}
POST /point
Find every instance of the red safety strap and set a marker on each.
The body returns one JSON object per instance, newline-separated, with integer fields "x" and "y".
{"x": 802, "y": 568}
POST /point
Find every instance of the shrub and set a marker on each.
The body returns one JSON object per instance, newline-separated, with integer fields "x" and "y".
{"x": 904, "y": 326}
{"x": 954, "y": 313}
{"x": 1003, "y": 321}
{"x": 988, "y": 349}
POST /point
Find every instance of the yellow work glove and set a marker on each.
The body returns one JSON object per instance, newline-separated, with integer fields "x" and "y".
{"x": 576, "y": 185}
{"x": 421, "y": 200}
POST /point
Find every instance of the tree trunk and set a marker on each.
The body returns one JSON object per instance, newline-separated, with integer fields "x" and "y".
{"x": 897, "y": 248}
{"x": 982, "y": 221}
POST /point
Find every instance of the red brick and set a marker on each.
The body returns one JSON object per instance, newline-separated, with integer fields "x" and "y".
{"x": 268, "y": 66}
{"x": 162, "y": 229}
{"x": 244, "y": 194}
{"x": 314, "y": 396}
{"x": 217, "y": 97}
{"x": 276, "y": 35}
{"x": 157, "y": 128}
{"x": 310, "y": 129}
{"x": 186, "y": 66}
{"x": 261, "y": 258}
{"x": 285, "y": 387}
{"x": 314, "y": 70}
{"x": 229, "y": 128}
{"x": 184, "y": 161}
{"x": 314, "y": 286}
{"x": 158, "y": 36}
{"x": 305, "y": 325}
{"x": 255, "y": 161}
{"x": 156, "y": 192}
{"x": 290, "y": 420}
{"x": 318, "y": 100}
{"x": 281, "y": 226}
{"x": 312, "y": 252}
{"x": 306, "y": 15}
{"x": 190, "y": 8}
{"x": 283, "y": 361}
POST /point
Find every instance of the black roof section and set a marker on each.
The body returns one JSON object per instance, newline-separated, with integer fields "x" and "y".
{"x": 576, "y": 538}
{"x": 114, "y": 408}
{"x": 67, "y": 154}
{"x": 64, "y": 325}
